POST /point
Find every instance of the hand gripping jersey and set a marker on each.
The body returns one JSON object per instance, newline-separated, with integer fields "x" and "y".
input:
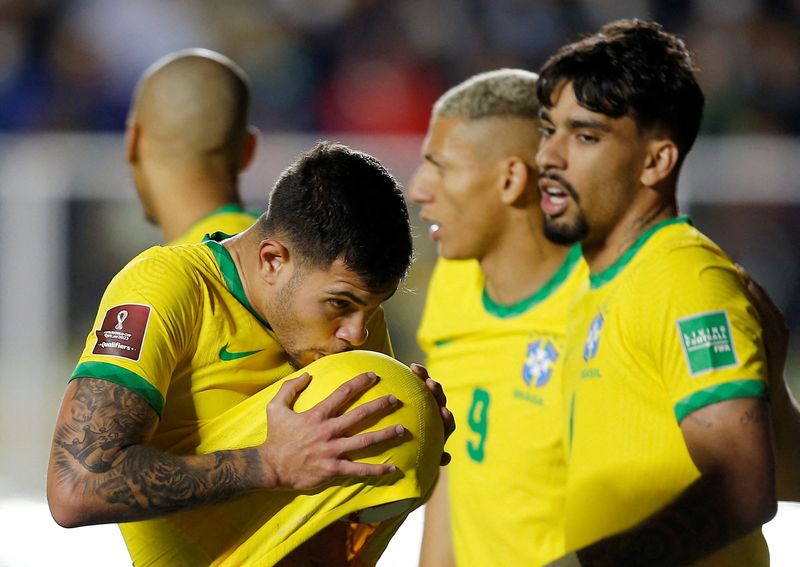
{"x": 500, "y": 368}
{"x": 229, "y": 219}
{"x": 176, "y": 327}
{"x": 261, "y": 528}
{"x": 664, "y": 331}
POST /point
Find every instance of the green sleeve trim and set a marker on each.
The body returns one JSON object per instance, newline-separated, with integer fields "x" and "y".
{"x": 558, "y": 278}
{"x": 598, "y": 280}
{"x": 720, "y": 393}
{"x": 123, "y": 377}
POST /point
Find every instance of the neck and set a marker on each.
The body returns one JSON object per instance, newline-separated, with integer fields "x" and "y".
{"x": 522, "y": 262}
{"x": 243, "y": 249}
{"x": 182, "y": 200}
{"x": 602, "y": 253}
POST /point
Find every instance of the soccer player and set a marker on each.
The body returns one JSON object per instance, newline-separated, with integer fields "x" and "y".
{"x": 493, "y": 327}
{"x": 188, "y": 341}
{"x": 187, "y": 141}
{"x": 669, "y": 455}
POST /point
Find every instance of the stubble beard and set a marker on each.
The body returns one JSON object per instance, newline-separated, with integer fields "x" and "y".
{"x": 566, "y": 233}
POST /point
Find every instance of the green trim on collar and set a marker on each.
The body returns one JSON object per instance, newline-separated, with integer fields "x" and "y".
{"x": 720, "y": 393}
{"x": 122, "y": 377}
{"x": 558, "y": 278}
{"x": 229, "y": 272}
{"x": 598, "y": 280}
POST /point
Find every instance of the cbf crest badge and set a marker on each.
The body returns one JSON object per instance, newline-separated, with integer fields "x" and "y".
{"x": 539, "y": 363}
{"x": 593, "y": 338}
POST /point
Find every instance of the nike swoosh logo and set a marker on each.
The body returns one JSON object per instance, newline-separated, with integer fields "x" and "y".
{"x": 225, "y": 354}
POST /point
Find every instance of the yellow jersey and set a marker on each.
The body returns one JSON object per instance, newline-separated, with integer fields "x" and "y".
{"x": 500, "y": 368}
{"x": 263, "y": 527}
{"x": 176, "y": 327}
{"x": 664, "y": 331}
{"x": 230, "y": 218}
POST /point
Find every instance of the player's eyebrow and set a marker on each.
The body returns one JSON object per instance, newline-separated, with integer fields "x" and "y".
{"x": 588, "y": 124}
{"x": 352, "y": 297}
{"x": 578, "y": 123}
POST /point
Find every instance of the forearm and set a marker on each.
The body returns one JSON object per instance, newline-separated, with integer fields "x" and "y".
{"x": 700, "y": 521}
{"x": 142, "y": 482}
{"x": 102, "y": 469}
{"x": 437, "y": 542}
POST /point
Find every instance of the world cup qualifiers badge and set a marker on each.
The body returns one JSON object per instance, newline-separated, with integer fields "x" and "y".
{"x": 123, "y": 330}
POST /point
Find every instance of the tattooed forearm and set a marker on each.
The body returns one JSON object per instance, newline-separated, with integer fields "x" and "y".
{"x": 99, "y": 456}
{"x": 684, "y": 531}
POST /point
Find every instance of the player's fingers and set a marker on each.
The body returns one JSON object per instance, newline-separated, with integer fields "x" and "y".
{"x": 437, "y": 391}
{"x": 358, "y": 469}
{"x": 364, "y": 411}
{"x": 419, "y": 370}
{"x": 366, "y": 440}
{"x": 449, "y": 422}
{"x": 290, "y": 390}
{"x": 344, "y": 393}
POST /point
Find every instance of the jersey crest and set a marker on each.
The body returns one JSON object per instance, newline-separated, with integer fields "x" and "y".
{"x": 539, "y": 363}
{"x": 593, "y": 338}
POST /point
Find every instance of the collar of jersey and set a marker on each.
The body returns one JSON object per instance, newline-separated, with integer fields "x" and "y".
{"x": 520, "y": 307}
{"x": 598, "y": 280}
{"x": 228, "y": 269}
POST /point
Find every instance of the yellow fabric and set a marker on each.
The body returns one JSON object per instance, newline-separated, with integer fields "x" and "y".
{"x": 230, "y": 219}
{"x": 202, "y": 349}
{"x": 630, "y": 375}
{"x": 261, "y": 528}
{"x": 507, "y": 476}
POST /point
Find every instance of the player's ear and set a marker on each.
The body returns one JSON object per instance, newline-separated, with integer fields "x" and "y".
{"x": 660, "y": 161}
{"x": 132, "y": 134}
{"x": 515, "y": 180}
{"x": 273, "y": 257}
{"x": 249, "y": 149}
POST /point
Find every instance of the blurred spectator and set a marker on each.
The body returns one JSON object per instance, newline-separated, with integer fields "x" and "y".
{"x": 368, "y": 66}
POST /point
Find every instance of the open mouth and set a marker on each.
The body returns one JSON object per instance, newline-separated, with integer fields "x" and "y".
{"x": 554, "y": 198}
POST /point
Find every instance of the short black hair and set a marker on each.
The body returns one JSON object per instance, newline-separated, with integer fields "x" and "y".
{"x": 335, "y": 202}
{"x": 631, "y": 67}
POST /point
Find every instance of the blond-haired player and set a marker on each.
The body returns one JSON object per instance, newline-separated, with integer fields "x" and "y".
{"x": 493, "y": 327}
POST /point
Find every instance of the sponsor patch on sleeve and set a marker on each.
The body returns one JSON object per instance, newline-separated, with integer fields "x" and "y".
{"x": 122, "y": 332}
{"x": 707, "y": 342}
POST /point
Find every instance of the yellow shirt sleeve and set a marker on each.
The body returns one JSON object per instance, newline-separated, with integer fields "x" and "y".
{"x": 705, "y": 334}
{"x": 142, "y": 327}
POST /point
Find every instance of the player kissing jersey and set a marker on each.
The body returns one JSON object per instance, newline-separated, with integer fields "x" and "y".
{"x": 263, "y": 528}
{"x": 176, "y": 325}
{"x": 664, "y": 331}
{"x": 499, "y": 366}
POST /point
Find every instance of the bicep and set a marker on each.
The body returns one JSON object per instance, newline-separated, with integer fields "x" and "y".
{"x": 731, "y": 440}
{"x": 98, "y": 418}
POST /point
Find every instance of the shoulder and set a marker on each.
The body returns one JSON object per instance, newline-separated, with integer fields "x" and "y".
{"x": 163, "y": 270}
{"x": 686, "y": 259}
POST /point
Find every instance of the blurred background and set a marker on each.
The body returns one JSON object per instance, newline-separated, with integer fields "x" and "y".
{"x": 364, "y": 72}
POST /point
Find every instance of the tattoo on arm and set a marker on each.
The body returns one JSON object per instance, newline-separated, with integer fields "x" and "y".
{"x": 99, "y": 451}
